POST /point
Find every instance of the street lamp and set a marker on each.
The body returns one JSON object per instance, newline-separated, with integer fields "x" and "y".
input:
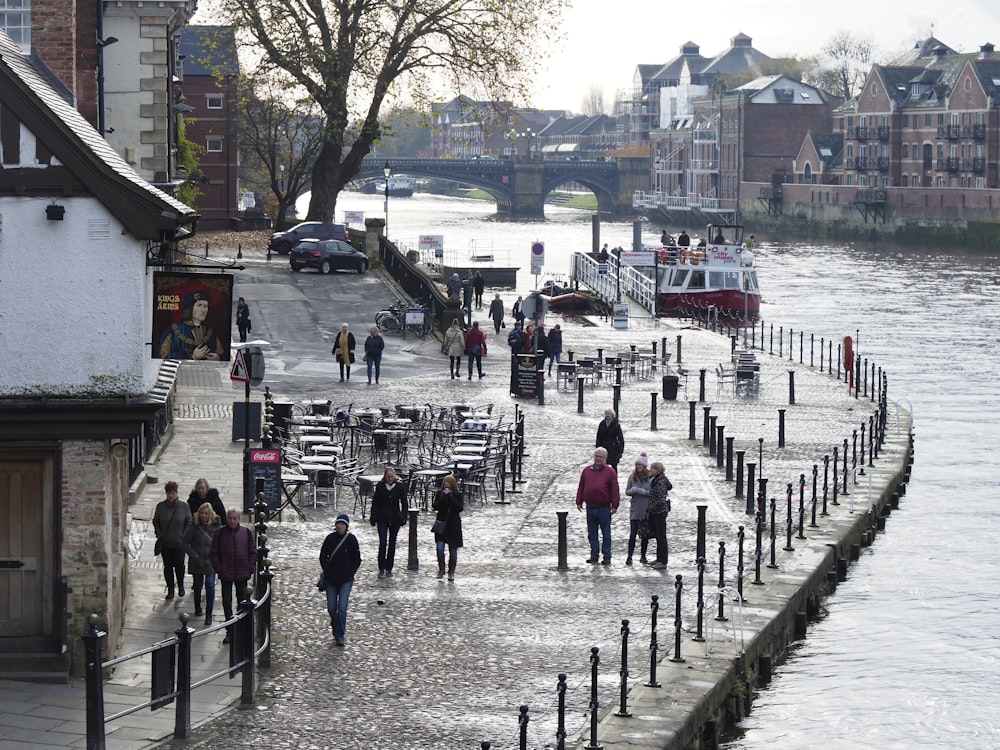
{"x": 387, "y": 171}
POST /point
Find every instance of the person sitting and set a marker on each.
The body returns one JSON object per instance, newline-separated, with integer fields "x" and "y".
{"x": 719, "y": 239}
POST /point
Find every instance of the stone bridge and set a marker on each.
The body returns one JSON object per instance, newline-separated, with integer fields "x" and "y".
{"x": 520, "y": 185}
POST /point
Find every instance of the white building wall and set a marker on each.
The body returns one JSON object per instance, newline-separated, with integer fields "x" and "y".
{"x": 53, "y": 341}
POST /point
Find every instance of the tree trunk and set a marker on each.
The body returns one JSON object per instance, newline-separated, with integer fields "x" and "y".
{"x": 326, "y": 185}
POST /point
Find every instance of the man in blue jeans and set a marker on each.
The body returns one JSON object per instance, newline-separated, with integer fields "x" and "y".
{"x": 598, "y": 490}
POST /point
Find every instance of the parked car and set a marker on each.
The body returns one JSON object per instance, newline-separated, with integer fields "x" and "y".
{"x": 326, "y": 256}
{"x": 282, "y": 242}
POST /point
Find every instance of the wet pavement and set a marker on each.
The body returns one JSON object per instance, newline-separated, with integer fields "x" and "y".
{"x": 432, "y": 663}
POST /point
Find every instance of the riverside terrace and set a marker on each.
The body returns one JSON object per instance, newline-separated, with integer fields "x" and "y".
{"x": 408, "y": 672}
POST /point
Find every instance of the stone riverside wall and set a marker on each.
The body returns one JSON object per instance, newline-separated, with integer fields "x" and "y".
{"x": 709, "y": 692}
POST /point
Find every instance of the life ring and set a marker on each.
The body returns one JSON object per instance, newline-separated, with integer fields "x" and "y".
{"x": 682, "y": 254}
{"x": 663, "y": 257}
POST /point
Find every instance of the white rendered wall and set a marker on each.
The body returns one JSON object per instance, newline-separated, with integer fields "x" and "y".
{"x": 75, "y": 303}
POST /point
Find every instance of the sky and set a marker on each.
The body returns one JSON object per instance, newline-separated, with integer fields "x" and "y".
{"x": 604, "y": 40}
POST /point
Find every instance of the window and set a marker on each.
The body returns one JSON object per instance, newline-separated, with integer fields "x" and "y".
{"x": 213, "y": 101}
{"x": 968, "y": 84}
{"x": 15, "y": 19}
{"x": 874, "y": 89}
{"x": 927, "y": 121}
{"x": 213, "y": 144}
{"x": 906, "y": 151}
{"x": 906, "y": 121}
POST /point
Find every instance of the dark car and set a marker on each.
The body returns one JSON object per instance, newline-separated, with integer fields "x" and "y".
{"x": 282, "y": 242}
{"x": 326, "y": 256}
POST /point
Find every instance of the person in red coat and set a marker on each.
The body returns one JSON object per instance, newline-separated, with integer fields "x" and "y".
{"x": 234, "y": 558}
{"x": 475, "y": 347}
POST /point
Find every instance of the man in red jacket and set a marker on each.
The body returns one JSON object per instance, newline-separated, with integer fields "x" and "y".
{"x": 234, "y": 557}
{"x": 598, "y": 489}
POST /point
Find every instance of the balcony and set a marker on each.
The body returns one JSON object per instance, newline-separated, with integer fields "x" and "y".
{"x": 975, "y": 164}
{"x": 951, "y": 132}
{"x": 883, "y": 132}
{"x": 706, "y": 136}
{"x": 858, "y": 133}
{"x": 860, "y": 163}
{"x": 869, "y": 196}
{"x": 977, "y": 132}
{"x": 883, "y": 164}
{"x": 950, "y": 164}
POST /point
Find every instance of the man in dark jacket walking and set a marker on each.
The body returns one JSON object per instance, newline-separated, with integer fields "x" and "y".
{"x": 171, "y": 519}
{"x": 234, "y": 558}
{"x": 496, "y": 313}
{"x": 610, "y": 437}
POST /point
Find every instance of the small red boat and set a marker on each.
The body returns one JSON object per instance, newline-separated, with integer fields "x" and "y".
{"x": 717, "y": 278}
{"x": 570, "y": 302}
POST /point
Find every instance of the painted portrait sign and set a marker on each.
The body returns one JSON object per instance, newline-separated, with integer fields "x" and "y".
{"x": 192, "y": 316}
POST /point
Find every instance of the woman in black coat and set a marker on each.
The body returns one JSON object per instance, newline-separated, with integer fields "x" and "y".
{"x": 389, "y": 511}
{"x": 201, "y": 494}
{"x": 343, "y": 350}
{"x": 610, "y": 437}
{"x": 449, "y": 506}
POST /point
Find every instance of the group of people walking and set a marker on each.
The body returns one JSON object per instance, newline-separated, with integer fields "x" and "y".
{"x": 193, "y": 533}
{"x": 340, "y": 555}
{"x": 647, "y": 488}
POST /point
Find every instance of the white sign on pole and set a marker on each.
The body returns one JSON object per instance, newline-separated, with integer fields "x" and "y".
{"x": 637, "y": 259}
{"x": 537, "y": 257}
{"x": 354, "y": 217}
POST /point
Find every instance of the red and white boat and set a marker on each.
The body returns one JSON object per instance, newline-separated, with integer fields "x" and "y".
{"x": 716, "y": 279}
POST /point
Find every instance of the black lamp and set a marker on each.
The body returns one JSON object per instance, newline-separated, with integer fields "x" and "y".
{"x": 387, "y": 171}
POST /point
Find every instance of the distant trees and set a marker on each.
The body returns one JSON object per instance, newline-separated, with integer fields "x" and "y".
{"x": 850, "y": 60}
{"x": 350, "y": 56}
{"x": 593, "y": 102}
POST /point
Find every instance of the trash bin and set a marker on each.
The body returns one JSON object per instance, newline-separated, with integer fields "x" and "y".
{"x": 670, "y": 383}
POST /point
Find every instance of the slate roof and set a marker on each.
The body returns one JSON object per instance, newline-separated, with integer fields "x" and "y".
{"x": 145, "y": 210}
{"x": 832, "y": 143}
{"x": 209, "y": 50}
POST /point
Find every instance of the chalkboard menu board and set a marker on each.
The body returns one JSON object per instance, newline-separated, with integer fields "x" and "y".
{"x": 265, "y": 465}
{"x": 523, "y": 375}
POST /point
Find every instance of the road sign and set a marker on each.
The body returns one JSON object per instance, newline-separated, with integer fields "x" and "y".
{"x": 239, "y": 372}
{"x": 537, "y": 257}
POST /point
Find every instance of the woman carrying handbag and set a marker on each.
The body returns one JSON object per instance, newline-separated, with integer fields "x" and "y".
{"x": 448, "y": 525}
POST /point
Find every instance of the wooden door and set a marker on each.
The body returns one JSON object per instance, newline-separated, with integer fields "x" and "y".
{"x": 26, "y": 533}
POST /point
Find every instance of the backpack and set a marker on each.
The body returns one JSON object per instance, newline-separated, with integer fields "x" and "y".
{"x": 515, "y": 340}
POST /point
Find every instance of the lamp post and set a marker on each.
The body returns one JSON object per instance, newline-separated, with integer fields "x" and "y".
{"x": 387, "y": 172}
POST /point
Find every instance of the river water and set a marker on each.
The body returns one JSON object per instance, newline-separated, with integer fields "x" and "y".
{"x": 908, "y": 654}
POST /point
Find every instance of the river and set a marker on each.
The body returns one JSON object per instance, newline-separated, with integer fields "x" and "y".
{"x": 908, "y": 653}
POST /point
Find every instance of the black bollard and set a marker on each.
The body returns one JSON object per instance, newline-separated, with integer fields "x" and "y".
{"x": 692, "y": 420}
{"x": 654, "y": 645}
{"x": 699, "y": 637}
{"x": 522, "y": 723}
{"x": 773, "y": 563}
{"x": 616, "y": 405}
{"x": 595, "y": 660}
{"x": 836, "y": 482}
{"x": 815, "y": 496}
{"x": 563, "y": 546}
{"x": 729, "y": 458}
{"x": 758, "y": 553}
{"x": 845, "y": 492}
{"x": 720, "y": 439}
{"x": 540, "y": 377}
{"x": 93, "y": 643}
{"x": 412, "y": 563}
{"x": 788, "y": 521}
{"x": 678, "y": 360}
{"x": 826, "y": 482}
{"x": 740, "y": 455}
{"x": 791, "y": 387}
{"x": 678, "y": 588}
{"x": 561, "y": 712}
{"x": 700, "y": 540}
{"x": 741, "y": 540}
{"x": 762, "y": 496}
{"x": 781, "y": 428}
{"x": 701, "y": 386}
{"x": 711, "y": 434}
{"x": 623, "y": 674}
{"x": 706, "y": 410}
{"x": 579, "y": 395}
{"x": 721, "y": 615}
{"x": 760, "y": 456}
{"x": 802, "y": 506}
{"x": 652, "y": 412}
{"x": 751, "y": 489}
{"x": 182, "y": 712}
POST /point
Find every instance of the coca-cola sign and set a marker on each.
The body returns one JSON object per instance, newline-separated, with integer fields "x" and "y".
{"x": 265, "y": 456}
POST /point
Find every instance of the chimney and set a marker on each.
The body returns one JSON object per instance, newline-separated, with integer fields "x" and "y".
{"x": 986, "y": 51}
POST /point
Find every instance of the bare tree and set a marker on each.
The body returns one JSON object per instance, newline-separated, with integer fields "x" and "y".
{"x": 279, "y": 136}
{"x": 593, "y": 102}
{"x": 851, "y": 58}
{"x": 350, "y": 55}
